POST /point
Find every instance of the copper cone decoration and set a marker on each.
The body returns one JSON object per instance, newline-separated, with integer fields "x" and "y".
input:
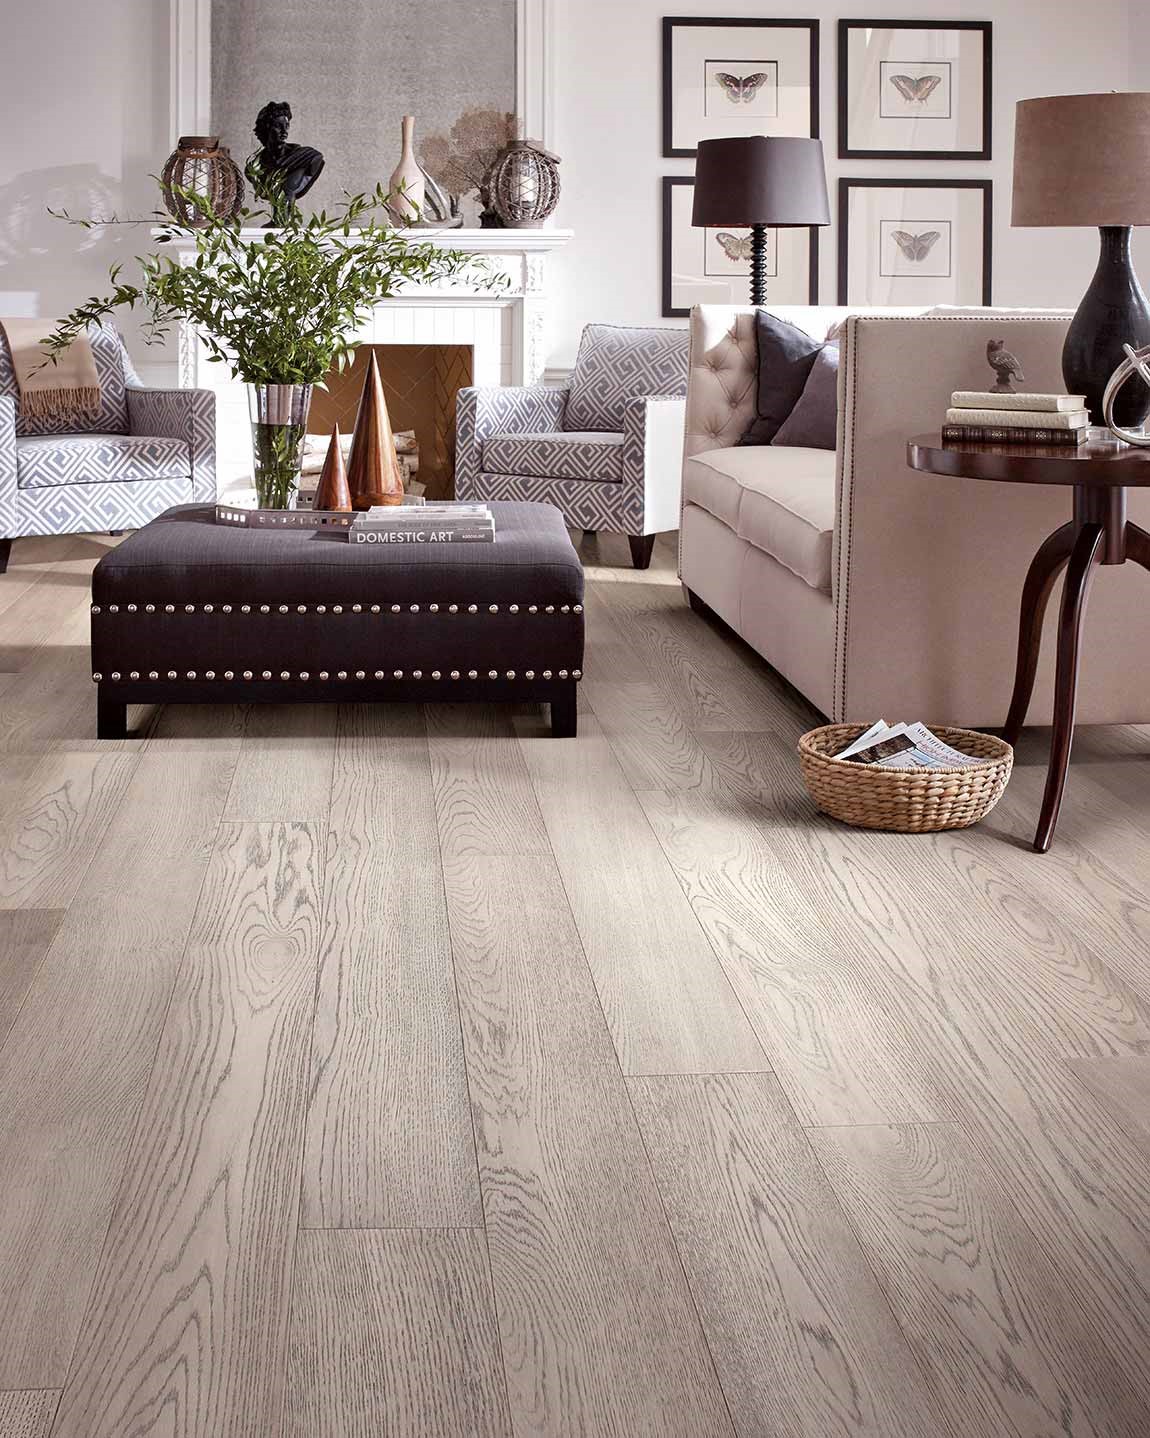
{"x": 333, "y": 492}
{"x": 372, "y": 467}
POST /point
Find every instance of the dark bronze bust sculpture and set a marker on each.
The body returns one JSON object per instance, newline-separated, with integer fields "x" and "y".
{"x": 280, "y": 172}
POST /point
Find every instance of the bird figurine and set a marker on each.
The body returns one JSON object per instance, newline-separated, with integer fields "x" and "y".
{"x": 1004, "y": 365}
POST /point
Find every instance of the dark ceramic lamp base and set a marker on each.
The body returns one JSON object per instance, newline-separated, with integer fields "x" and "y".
{"x": 1114, "y": 311}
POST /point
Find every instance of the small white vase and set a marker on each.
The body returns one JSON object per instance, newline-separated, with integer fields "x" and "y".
{"x": 406, "y": 184}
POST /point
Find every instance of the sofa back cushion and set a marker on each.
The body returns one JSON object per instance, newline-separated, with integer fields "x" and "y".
{"x": 616, "y": 364}
{"x": 112, "y": 367}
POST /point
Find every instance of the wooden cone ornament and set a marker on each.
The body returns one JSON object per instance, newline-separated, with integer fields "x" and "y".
{"x": 372, "y": 467}
{"x": 332, "y": 492}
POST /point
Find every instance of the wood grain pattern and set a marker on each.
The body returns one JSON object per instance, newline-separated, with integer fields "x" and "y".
{"x": 48, "y": 835}
{"x": 650, "y": 739}
{"x": 669, "y": 1005}
{"x": 984, "y": 1309}
{"x": 25, "y": 937}
{"x": 394, "y": 1332}
{"x": 827, "y": 1033}
{"x": 202, "y": 1238}
{"x": 580, "y": 1252}
{"x": 285, "y": 764}
{"x": 802, "y": 1336}
{"x": 75, "y": 1064}
{"x": 1122, "y": 1087}
{"x": 389, "y": 1136}
{"x": 483, "y": 795}
{"x": 28, "y": 1414}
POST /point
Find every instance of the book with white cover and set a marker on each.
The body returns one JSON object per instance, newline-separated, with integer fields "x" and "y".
{"x": 1021, "y": 418}
{"x": 989, "y": 399}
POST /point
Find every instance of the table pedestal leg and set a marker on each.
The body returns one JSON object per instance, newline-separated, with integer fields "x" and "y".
{"x": 1137, "y": 545}
{"x": 1084, "y": 560}
{"x": 1044, "y": 569}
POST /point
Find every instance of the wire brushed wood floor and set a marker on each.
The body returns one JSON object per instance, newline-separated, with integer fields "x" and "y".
{"x": 409, "y": 1072}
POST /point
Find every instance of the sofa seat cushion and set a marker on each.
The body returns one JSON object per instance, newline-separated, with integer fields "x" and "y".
{"x": 45, "y": 461}
{"x": 781, "y": 500}
{"x": 557, "y": 454}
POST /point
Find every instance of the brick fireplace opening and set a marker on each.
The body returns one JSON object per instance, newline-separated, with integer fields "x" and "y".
{"x": 420, "y": 383}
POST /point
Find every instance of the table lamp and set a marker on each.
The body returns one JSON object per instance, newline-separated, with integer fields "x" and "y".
{"x": 1085, "y": 160}
{"x": 760, "y": 180}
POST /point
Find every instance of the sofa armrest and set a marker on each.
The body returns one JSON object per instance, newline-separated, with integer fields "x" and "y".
{"x": 928, "y": 571}
{"x": 7, "y": 465}
{"x": 509, "y": 409}
{"x": 187, "y": 414}
{"x": 653, "y": 459}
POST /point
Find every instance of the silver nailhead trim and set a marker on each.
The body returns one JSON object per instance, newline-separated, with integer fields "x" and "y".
{"x": 229, "y": 674}
{"x": 114, "y": 676}
{"x": 169, "y": 609}
{"x": 247, "y": 673}
{"x": 359, "y": 674}
{"x": 511, "y": 674}
{"x": 566, "y": 609}
{"x": 533, "y": 609}
{"x": 285, "y": 674}
{"x": 321, "y": 609}
{"x": 209, "y": 673}
{"x": 189, "y": 608}
{"x": 395, "y": 609}
{"x": 414, "y": 608}
{"x": 337, "y": 608}
{"x": 473, "y": 674}
{"x": 172, "y": 674}
{"x": 551, "y": 609}
{"x": 547, "y": 674}
{"x": 379, "y": 674}
{"x": 95, "y": 609}
{"x": 265, "y": 609}
{"x": 152, "y": 674}
{"x": 191, "y": 673}
{"x": 513, "y": 609}
{"x": 323, "y": 673}
{"x": 455, "y": 674}
{"x": 473, "y": 609}
{"x": 397, "y": 674}
{"x": 113, "y": 609}
{"x": 301, "y": 609}
{"x": 207, "y": 608}
{"x": 342, "y": 674}
{"x": 493, "y": 609}
{"x": 227, "y": 608}
{"x": 453, "y": 609}
{"x": 493, "y": 674}
{"x": 267, "y": 673}
{"x": 578, "y": 609}
{"x": 433, "y": 608}
{"x": 576, "y": 674}
{"x": 245, "y": 609}
{"x": 303, "y": 674}
{"x": 529, "y": 674}
{"x": 417, "y": 673}
{"x": 131, "y": 609}
{"x": 375, "y": 608}
{"x": 562, "y": 674}
{"x": 435, "y": 674}
{"x": 96, "y": 677}
{"x": 356, "y": 608}
{"x": 149, "y": 609}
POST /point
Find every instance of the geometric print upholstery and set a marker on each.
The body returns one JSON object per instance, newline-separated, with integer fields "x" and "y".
{"x": 188, "y": 415}
{"x": 95, "y": 508}
{"x": 562, "y": 454}
{"x": 584, "y": 504}
{"x": 615, "y": 364}
{"x": 53, "y": 460}
{"x": 113, "y": 368}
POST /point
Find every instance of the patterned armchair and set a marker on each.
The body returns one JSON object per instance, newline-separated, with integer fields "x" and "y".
{"x": 607, "y": 449}
{"x": 145, "y": 449}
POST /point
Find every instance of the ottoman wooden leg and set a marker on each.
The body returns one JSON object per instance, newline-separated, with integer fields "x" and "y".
{"x": 564, "y": 713}
{"x": 111, "y": 719}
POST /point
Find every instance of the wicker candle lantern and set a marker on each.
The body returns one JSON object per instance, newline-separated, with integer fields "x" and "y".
{"x": 202, "y": 166}
{"x": 524, "y": 184}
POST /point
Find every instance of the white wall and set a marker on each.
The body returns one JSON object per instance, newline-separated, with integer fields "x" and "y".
{"x": 608, "y": 108}
{"x": 84, "y": 116}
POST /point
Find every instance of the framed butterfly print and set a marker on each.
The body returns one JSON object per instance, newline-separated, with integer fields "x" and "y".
{"x": 915, "y": 242}
{"x": 914, "y": 89}
{"x": 738, "y": 77}
{"x": 712, "y": 265}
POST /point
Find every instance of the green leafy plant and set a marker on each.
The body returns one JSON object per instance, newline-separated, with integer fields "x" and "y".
{"x": 281, "y": 307}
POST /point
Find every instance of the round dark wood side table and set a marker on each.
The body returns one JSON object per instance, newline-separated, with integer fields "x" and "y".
{"x": 1100, "y": 533}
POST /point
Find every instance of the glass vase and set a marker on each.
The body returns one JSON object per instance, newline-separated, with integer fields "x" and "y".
{"x": 279, "y": 422}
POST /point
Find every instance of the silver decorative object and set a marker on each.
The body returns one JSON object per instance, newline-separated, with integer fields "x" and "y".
{"x": 1006, "y": 368}
{"x": 524, "y": 184}
{"x": 1137, "y": 362}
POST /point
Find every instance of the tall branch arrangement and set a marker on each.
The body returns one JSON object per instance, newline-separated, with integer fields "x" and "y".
{"x": 282, "y": 308}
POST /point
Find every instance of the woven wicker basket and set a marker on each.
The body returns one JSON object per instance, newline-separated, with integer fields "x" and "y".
{"x": 909, "y": 801}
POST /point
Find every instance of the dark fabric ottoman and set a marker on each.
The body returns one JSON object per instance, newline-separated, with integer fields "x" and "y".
{"x": 190, "y": 611}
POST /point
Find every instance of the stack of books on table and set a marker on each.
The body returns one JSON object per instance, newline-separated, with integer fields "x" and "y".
{"x": 992, "y": 418}
{"x": 443, "y": 522}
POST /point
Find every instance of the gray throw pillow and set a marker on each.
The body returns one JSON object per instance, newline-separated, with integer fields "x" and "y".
{"x": 786, "y": 355}
{"x": 813, "y": 422}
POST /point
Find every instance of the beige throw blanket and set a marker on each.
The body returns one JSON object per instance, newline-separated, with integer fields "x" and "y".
{"x": 51, "y": 391}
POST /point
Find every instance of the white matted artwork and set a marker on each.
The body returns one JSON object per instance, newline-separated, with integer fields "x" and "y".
{"x": 737, "y": 77}
{"x": 712, "y": 264}
{"x": 915, "y": 88}
{"x": 914, "y": 242}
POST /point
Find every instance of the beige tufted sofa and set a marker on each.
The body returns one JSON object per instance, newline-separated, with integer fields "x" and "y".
{"x": 874, "y": 589}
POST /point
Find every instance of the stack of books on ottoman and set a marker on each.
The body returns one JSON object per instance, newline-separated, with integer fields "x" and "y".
{"x": 990, "y": 417}
{"x": 442, "y": 522}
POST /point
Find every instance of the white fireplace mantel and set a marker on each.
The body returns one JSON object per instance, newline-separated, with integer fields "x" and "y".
{"x": 506, "y": 328}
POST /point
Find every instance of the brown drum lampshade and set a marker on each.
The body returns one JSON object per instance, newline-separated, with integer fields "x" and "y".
{"x": 760, "y": 180}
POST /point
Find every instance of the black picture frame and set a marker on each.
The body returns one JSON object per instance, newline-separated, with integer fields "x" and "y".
{"x": 984, "y": 152}
{"x": 670, "y": 310}
{"x": 673, "y": 22}
{"x": 900, "y": 182}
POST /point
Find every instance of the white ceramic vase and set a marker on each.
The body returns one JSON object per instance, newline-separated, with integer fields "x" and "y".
{"x": 406, "y": 184}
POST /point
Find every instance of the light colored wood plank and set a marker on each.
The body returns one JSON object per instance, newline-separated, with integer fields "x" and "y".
{"x": 650, "y": 738}
{"x": 985, "y": 1311}
{"x": 598, "y": 1331}
{"x": 36, "y": 618}
{"x": 483, "y": 795}
{"x": 202, "y": 1237}
{"x": 285, "y": 764}
{"x": 25, "y": 937}
{"x": 841, "y": 1055}
{"x": 178, "y": 728}
{"x": 54, "y": 698}
{"x": 1122, "y": 1087}
{"x": 389, "y": 1135}
{"x": 669, "y": 1005}
{"x": 76, "y": 1060}
{"x": 28, "y": 1414}
{"x": 48, "y": 835}
{"x": 394, "y": 1332}
{"x": 801, "y": 1333}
